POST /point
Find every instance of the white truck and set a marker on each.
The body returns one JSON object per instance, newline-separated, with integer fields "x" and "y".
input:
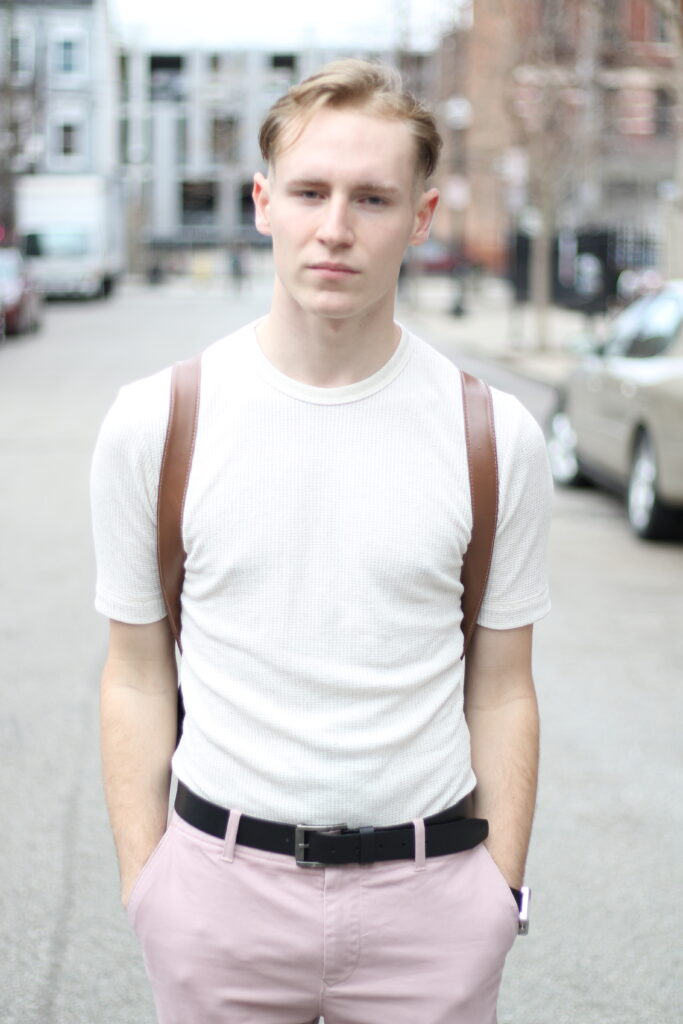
{"x": 71, "y": 229}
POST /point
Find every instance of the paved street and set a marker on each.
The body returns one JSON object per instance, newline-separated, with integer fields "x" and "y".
{"x": 606, "y": 867}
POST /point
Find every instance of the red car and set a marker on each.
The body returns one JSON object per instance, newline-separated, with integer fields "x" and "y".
{"x": 434, "y": 257}
{"x": 20, "y": 300}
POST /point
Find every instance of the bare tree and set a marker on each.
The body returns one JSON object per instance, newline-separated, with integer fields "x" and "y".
{"x": 671, "y": 12}
{"x": 22, "y": 107}
{"x": 545, "y": 80}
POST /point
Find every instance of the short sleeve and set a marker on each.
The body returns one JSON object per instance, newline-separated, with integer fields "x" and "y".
{"x": 517, "y": 591}
{"x": 123, "y": 489}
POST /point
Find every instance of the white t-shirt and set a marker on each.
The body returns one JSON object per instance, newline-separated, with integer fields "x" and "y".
{"x": 324, "y": 529}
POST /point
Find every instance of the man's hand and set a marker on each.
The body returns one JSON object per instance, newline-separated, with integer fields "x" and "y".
{"x": 131, "y": 865}
{"x": 502, "y": 715}
{"x": 138, "y": 717}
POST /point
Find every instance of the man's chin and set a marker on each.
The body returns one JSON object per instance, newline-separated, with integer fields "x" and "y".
{"x": 333, "y": 307}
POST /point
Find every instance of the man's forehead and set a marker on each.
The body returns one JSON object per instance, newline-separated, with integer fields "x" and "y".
{"x": 348, "y": 139}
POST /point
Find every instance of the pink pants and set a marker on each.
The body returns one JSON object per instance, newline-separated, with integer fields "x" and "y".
{"x": 232, "y": 935}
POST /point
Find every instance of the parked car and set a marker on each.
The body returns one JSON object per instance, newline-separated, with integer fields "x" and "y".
{"x": 19, "y": 296}
{"x": 619, "y": 420}
{"x": 434, "y": 257}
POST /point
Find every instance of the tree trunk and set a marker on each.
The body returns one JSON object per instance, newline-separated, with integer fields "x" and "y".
{"x": 541, "y": 255}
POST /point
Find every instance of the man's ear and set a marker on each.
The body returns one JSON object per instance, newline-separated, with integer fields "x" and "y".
{"x": 424, "y": 214}
{"x": 261, "y": 196}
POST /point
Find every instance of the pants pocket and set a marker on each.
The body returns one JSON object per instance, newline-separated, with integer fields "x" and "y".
{"x": 144, "y": 878}
{"x": 498, "y": 880}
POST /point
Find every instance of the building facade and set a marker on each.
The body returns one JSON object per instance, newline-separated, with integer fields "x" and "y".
{"x": 560, "y": 110}
{"x": 58, "y": 76}
{"x": 188, "y": 138}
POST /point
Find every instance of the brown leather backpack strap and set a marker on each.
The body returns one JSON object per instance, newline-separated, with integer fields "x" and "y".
{"x": 482, "y": 463}
{"x": 173, "y": 479}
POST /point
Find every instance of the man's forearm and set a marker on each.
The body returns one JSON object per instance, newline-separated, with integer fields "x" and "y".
{"x": 504, "y": 741}
{"x": 138, "y": 735}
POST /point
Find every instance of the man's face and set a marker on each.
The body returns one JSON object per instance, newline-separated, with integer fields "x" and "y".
{"x": 342, "y": 204}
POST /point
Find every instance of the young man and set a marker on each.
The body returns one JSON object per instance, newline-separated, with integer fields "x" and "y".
{"x": 325, "y": 522}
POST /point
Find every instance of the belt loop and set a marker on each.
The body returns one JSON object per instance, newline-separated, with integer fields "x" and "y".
{"x": 231, "y": 836}
{"x": 367, "y": 845}
{"x": 420, "y": 845}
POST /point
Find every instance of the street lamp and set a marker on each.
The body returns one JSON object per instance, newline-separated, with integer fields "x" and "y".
{"x": 457, "y": 113}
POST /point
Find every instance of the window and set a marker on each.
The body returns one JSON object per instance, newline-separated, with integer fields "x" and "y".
{"x": 68, "y": 142}
{"x": 181, "y": 141}
{"x": 148, "y": 137}
{"x": 215, "y": 62}
{"x": 69, "y": 57}
{"x": 665, "y": 104}
{"x": 165, "y": 77}
{"x": 647, "y": 327}
{"x": 224, "y": 140}
{"x": 246, "y": 203}
{"x": 124, "y": 84}
{"x": 627, "y": 327}
{"x": 124, "y": 139}
{"x": 199, "y": 203}
{"x": 69, "y": 139}
{"x": 611, "y": 111}
{"x": 15, "y": 55}
{"x": 660, "y": 27}
{"x": 283, "y": 60}
{"x": 612, "y": 24}
{"x": 661, "y": 325}
{"x": 21, "y": 54}
{"x": 61, "y": 243}
{"x": 556, "y": 31}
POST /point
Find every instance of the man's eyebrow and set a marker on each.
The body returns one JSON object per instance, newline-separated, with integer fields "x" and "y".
{"x": 307, "y": 183}
{"x": 363, "y": 186}
{"x": 372, "y": 186}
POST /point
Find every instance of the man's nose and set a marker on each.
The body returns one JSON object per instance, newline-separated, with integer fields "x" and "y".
{"x": 335, "y": 226}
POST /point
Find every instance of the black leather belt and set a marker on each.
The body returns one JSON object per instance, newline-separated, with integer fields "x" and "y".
{"x": 450, "y": 831}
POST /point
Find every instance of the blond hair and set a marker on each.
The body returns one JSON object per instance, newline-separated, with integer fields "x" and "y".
{"x": 363, "y": 85}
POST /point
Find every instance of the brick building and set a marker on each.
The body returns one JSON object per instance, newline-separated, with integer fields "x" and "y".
{"x": 558, "y": 108}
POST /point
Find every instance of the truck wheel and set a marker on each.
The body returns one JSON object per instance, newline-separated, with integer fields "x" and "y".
{"x": 649, "y": 518}
{"x": 562, "y": 452}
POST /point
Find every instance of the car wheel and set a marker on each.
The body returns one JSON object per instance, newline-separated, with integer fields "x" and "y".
{"x": 562, "y": 452}
{"x": 648, "y": 517}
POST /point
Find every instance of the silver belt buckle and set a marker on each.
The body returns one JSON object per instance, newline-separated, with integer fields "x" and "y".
{"x": 301, "y": 844}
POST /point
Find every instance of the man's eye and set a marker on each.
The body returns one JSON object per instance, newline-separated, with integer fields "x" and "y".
{"x": 308, "y": 193}
{"x": 373, "y": 201}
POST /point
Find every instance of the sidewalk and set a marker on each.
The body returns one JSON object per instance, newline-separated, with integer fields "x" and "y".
{"x": 492, "y": 328}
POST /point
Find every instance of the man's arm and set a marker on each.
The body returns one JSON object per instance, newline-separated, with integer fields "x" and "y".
{"x": 138, "y": 721}
{"x": 502, "y": 716}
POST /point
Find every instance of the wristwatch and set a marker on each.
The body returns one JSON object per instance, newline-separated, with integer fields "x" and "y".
{"x": 522, "y": 897}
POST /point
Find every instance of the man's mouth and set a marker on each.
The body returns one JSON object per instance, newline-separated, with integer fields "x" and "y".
{"x": 333, "y": 268}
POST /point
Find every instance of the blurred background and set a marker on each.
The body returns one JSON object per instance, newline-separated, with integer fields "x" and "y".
{"x": 128, "y": 143}
{"x": 129, "y": 133}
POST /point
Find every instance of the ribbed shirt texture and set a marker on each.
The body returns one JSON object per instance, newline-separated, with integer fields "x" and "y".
{"x": 325, "y": 529}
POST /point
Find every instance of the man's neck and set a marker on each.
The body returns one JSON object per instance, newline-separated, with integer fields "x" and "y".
{"x": 327, "y": 352}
